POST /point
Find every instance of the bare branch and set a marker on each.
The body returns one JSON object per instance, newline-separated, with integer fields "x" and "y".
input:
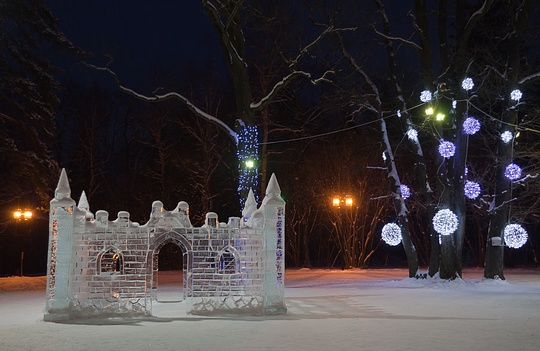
{"x": 398, "y": 39}
{"x": 171, "y": 95}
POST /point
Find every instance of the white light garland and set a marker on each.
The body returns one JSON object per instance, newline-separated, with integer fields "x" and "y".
{"x": 384, "y": 156}
{"x": 405, "y": 191}
{"x": 467, "y": 84}
{"x": 506, "y": 136}
{"x": 412, "y": 134}
{"x": 471, "y": 126}
{"x": 248, "y": 156}
{"x": 425, "y": 96}
{"x": 391, "y": 234}
{"x": 447, "y": 149}
{"x": 398, "y": 112}
{"x": 454, "y": 104}
{"x": 515, "y": 236}
{"x": 516, "y": 95}
{"x": 512, "y": 171}
{"x": 472, "y": 189}
{"x": 445, "y": 222}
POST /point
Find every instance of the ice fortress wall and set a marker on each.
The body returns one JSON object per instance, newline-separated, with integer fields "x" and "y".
{"x": 102, "y": 268}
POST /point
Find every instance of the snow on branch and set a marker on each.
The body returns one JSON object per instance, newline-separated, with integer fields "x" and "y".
{"x": 533, "y": 76}
{"x": 171, "y": 95}
{"x": 398, "y": 39}
{"x": 283, "y": 83}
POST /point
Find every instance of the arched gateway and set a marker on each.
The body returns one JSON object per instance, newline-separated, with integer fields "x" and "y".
{"x": 101, "y": 268}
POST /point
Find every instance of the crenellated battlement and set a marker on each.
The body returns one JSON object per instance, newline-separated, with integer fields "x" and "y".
{"x": 99, "y": 267}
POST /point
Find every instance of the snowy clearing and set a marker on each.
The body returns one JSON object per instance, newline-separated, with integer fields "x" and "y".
{"x": 374, "y": 309}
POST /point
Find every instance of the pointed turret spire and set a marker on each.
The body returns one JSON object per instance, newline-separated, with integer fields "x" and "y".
{"x": 83, "y": 202}
{"x": 273, "y": 187}
{"x": 62, "y": 189}
{"x": 251, "y": 204}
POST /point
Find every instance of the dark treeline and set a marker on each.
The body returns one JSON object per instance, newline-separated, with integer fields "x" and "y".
{"x": 321, "y": 140}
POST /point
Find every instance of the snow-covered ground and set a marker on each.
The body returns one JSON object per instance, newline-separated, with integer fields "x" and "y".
{"x": 327, "y": 310}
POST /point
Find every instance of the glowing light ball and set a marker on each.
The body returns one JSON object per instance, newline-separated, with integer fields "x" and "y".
{"x": 516, "y": 95}
{"x": 515, "y": 236}
{"x": 425, "y": 96}
{"x": 445, "y": 222}
{"x": 447, "y": 149}
{"x": 454, "y": 104}
{"x": 512, "y": 171}
{"x": 506, "y": 136}
{"x": 398, "y": 113}
{"x": 472, "y": 189}
{"x": 412, "y": 134}
{"x": 405, "y": 191}
{"x": 391, "y": 234}
{"x": 467, "y": 84}
{"x": 471, "y": 126}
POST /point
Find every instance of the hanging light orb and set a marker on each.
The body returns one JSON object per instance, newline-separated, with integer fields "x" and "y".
{"x": 472, "y": 189}
{"x": 412, "y": 134}
{"x": 425, "y": 96}
{"x": 516, "y": 95}
{"x": 447, "y": 149}
{"x": 445, "y": 222}
{"x": 405, "y": 191}
{"x": 515, "y": 236}
{"x": 512, "y": 171}
{"x": 391, "y": 234}
{"x": 471, "y": 125}
{"x": 506, "y": 136}
{"x": 467, "y": 84}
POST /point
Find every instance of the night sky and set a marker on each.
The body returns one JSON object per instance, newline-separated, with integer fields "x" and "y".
{"x": 138, "y": 35}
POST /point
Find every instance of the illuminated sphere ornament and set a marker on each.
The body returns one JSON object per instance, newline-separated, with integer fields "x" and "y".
{"x": 391, "y": 234}
{"x": 515, "y": 236}
{"x": 412, "y": 134}
{"x": 425, "y": 96}
{"x": 506, "y": 136}
{"x": 405, "y": 191}
{"x": 516, "y": 95}
{"x": 445, "y": 222}
{"x": 472, "y": 189}
{"x": 447, "y": 149}
{"x": 471, "y": 126}
{"x": 512, "y": 171}
{"x": 467, "y": 84}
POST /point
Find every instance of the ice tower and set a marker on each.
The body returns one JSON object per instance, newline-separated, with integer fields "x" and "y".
{"x": 60, "y": 251}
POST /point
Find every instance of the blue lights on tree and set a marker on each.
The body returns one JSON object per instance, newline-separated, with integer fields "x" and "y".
{"x": 248, "y": 160}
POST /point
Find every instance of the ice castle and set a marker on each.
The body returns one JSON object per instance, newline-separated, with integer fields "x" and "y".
{"x": 102, "y": 268}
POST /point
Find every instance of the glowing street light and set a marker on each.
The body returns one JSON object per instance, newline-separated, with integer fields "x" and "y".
{"x": 22, "y": 215}
{"x": 338, "y": 201}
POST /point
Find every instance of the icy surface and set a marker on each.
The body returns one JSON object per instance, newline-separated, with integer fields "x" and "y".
{"x": 327, "y": 310}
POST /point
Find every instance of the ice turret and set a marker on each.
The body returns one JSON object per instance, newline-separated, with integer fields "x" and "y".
{"x": 273, "y": 192}
{"x": 249, "y": 208}
{"x": 61, "y": 229}
{"x": 85, "y": 207}
{"x": 62, "y": 189}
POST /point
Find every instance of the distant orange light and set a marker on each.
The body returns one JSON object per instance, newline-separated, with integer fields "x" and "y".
{"x": 22, "y": 215}
{"x": 336, "y": 202}
{"x": 348, "y": 201}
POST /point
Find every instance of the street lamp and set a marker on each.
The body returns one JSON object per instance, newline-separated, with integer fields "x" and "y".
{"x": 22, "y": 215}
{"x": 339, "y": 201}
